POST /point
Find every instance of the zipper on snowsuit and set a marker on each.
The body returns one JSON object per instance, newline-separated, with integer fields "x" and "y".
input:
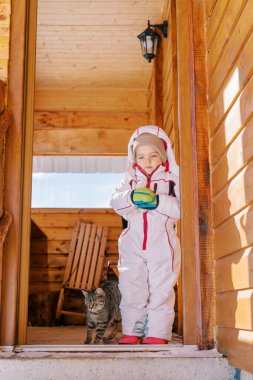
{"x": 145, "y": 214}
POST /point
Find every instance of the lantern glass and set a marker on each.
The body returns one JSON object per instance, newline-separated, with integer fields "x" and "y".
{"x": 148, "y": 40}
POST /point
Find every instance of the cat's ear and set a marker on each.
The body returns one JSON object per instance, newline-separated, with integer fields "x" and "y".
{"x": 85, "y": 293}
{"x": 99, "y": 292}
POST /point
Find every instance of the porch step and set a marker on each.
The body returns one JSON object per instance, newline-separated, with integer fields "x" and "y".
{"x": 131, "y": 363}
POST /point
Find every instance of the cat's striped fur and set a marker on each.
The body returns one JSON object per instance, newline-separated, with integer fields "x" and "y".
{"x": 102, "y": 308}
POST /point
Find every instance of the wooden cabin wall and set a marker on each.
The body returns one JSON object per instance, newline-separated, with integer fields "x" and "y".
{"x": 4, "y": 119}
{"x": 51, "y": 232}
{"x": 168, "y": 85}
{"x": 229, "y": 26}
{"x": 5, "y": 8}
{"x": 94, "y": 122}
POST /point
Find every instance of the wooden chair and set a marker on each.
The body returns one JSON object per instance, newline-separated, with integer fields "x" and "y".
{"x": 85, "y": 261}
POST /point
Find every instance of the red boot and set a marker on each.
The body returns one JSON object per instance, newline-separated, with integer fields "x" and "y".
{"x": 130, "y": 339}
{"x": 151, "y": 340}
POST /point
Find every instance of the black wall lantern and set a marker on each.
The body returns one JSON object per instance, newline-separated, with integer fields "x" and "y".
{"x": 149, "y": 39}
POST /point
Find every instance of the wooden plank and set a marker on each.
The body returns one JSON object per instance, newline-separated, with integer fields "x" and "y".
{"x": 234, "y": 309}
{"x": 234, "y": 271}
{"x": 77, "y": 252}
{"x": 227, "y": 26}
{"x": 235, "y": 158}
{"x": 2, "y": 95}
{"x": 234, "y": 234}
{"x": 72, "y": 211}
{"x": 84, "y": 281}
{"x": 93, "y": 142}
{"x": 84, "y": 251}
{"x": 189, "y": 217}
{"x": 200, "y": 140}
{"x": 35, "y": 287}
{"x": 234, "y": 197}
{"x": 95, "y": 257}
{"x": 47, "y": 276}
{"x": 158, "y": 84}
{"x": 59, "y": 220}
{"x": 173, "y": 31}
{"x": 3, "y": 69}
{"x": 5, "y": 10}
{"x": 103, "y": 120}
{"x": 232, "y": 86}
{"x": 210, "y": 4}
{"x": 235, "y": 120}
{"x": 64, "y": 233}
{"x": 110, "y": 7}
{"x": 100, "y": 19}
{"x": 215, "y": 20}
{"x": 229, "y": 54}
{"x": 13, "y": 176}
{"x": 4, "y": 47}
{"x": 101, "y": 256}
{"x": 169, "y": 121}
{"x": 237, "y": 345}
{"x": 48, "y": 261}
{"x": 71, "y": 254}
{"x": 99, "y": 100}
{"x": 50, "y": 246}
{"x": 42, "y": 250}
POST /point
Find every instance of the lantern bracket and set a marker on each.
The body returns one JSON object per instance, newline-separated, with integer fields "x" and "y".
{"x": 162, "y": 27}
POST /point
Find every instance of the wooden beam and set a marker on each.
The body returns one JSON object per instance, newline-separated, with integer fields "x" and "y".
{"x": 188, "y": 178}
{"x": 2, "y": 96}
{"x": 101, "y": 120}
{"x": 5, "y": 122}
{"x": 13, "y": 160}
{"x": 203, "y": 174}
{"x": 95, "y": 100}
{"x": 27, "y": 154}
{"x": 5, "y": 223}
{"x": 81, "y": 141}
{"x": 158, "y": 84}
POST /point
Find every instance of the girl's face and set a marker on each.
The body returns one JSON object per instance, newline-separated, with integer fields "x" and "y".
{"x": 148, "y": 158}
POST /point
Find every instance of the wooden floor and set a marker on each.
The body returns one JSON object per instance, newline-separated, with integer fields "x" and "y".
{"x": 70, "y": 335}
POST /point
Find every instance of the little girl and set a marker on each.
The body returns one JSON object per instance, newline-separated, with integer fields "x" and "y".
{"x": 149, "y": 253}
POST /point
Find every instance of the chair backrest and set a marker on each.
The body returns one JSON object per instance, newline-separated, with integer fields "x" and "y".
{"x": 86, "y": 256}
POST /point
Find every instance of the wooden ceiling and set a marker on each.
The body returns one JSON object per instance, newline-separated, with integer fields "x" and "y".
{"x": 88, "y": 56}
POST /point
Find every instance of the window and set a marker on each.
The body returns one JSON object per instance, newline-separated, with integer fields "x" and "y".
{"x": 75, "y": 182}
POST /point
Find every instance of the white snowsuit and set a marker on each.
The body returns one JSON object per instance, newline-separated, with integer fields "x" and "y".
{"x": 149, "y": 252}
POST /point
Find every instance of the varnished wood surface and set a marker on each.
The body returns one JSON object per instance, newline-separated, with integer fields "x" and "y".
{"x": 51, "y": 235}
{"x": 8, "y": 322}
{"x": 5, "y": 10}
{"x": 229, "y": 62}
{"x": 89, "y": 44}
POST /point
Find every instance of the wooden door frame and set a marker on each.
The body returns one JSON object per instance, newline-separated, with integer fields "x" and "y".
{"x": 17, "y": 248}
{"x": 18, "y": 172}
{"x": 196, "y": 230}
{"x": 30, "y": 65}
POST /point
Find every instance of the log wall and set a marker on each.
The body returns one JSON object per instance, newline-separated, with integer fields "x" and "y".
{"x": 51, "y": 232}
{"x": 166, "y": 94}
{"x": 5, "y": 8}
{"x": 229, "y": 27}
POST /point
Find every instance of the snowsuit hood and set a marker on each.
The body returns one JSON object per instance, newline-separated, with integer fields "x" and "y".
{"x": 159, "y": 132}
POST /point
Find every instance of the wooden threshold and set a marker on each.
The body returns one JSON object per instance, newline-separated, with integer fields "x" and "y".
{"x": 120, "y": 351}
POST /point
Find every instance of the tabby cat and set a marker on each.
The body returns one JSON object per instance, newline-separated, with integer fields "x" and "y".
{"x": 102, "y": 308}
